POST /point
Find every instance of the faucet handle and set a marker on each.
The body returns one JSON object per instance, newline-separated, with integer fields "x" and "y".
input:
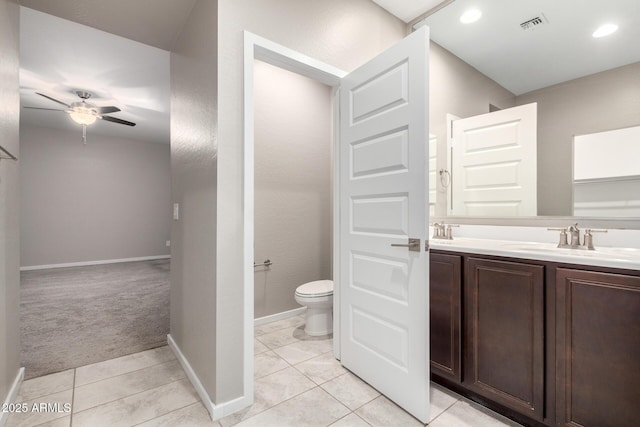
{"x": 588, "y": 237}
{"x": 449, "y": 233}
{"x": 595, "y": 230}
{"x": 563, "y": 243}
{"x": 438, "y": 230}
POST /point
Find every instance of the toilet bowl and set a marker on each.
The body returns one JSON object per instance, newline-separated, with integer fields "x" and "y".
{"x": 318, "y": 298}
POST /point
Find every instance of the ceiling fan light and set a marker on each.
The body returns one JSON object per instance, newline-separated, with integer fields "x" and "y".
{"x": 82, "y": 116}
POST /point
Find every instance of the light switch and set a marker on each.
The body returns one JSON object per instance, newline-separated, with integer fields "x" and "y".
{"x": 176, "y": 211}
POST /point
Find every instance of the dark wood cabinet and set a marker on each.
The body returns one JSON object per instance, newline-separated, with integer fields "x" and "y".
{"x": 597, "y": 349}
{"x": 504, "y": 333}
{"x": 543, "y": 343}
{"x": 445, "y": 273}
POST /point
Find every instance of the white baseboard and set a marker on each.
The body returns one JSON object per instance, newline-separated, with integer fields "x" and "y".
{"x": 279, "y": 316}
{"x": 85, "y": 263}
{"x": 13, "y": 394}
{"x": 215, "y": 411}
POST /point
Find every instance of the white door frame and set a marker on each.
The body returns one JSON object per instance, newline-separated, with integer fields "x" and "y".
{"x": 256, "y": 47}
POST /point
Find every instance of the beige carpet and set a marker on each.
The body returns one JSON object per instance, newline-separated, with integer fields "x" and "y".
{"x": 75, "y": 316}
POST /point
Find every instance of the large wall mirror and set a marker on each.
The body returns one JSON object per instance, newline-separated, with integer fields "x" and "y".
{"x": 524, "y": 97}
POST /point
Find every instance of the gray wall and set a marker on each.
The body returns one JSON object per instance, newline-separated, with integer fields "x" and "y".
{"x": 293, "y": 204}
{"x": 109, "y": 199}
{"x": 457, "y": 88}
{"x": 194, "y": 187}
{"x": 342, "y": 33}
{"x": 599, "y": 102}
{"x": 9, "y": 201}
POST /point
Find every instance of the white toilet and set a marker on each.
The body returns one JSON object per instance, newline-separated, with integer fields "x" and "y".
{"x": 318, "y": 298}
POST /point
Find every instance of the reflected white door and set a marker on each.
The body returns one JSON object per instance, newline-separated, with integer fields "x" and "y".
{"x": 384, "y": 292}
{"x": 433, "y": 147}
{"x": 493, "y": 163}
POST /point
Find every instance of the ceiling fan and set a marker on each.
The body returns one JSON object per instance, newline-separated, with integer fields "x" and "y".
{"x": 84, "y": 113}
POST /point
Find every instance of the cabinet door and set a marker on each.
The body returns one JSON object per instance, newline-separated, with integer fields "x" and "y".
{"x": 444, "y": 315}
{"x": 504, "y": 312}
{"x": 598, "y": 349}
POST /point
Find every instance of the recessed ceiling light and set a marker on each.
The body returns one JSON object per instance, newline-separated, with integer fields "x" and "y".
{"x": 605, "y": 30}
{"x": 471, "y": 15}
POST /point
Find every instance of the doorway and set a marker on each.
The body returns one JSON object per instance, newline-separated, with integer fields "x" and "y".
{"x": 258, "y": 48}
{"x": 379, "y": 193}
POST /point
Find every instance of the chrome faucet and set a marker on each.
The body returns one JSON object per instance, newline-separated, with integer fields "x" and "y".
{"x": 443, "y": 231}
{"x": 575, "y": 235}
{"x": 438, "y": 230}
{"x": 574, "y": 231}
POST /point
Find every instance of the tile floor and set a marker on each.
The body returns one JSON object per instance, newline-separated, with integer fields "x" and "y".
{"x": 297, "y": 383}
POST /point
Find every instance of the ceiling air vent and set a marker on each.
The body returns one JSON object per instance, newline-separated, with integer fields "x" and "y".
{"x": 533, "y": 23}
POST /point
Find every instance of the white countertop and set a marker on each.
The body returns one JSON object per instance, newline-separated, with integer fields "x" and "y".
{"x": 614, "y": 257}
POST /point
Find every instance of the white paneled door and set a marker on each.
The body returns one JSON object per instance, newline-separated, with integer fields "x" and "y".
{"x": 493, "y": 163}
{"x": 384, "y": 294}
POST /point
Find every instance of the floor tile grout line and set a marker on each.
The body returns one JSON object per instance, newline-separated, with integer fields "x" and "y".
{"x": 135, "y": 394}
{"x": 197, "y": 402}
{"x": 274, "y": 372}
{"x": 446, "y": 409}
{"x": 44, "y": 395}
{"x": 73, "y": 396}
{"x": 364, "y": 404}
{"x": 149, "y": 350}
{"x": 350, "y": 413}
{"x": 127, "y": 373}
{"x": 74, "y": 386}
{"x": 47, "y": 422}
{"x": 294, "y": 396}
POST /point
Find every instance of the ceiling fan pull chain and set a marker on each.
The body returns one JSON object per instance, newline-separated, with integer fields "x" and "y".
{"x": 84, "y": 134}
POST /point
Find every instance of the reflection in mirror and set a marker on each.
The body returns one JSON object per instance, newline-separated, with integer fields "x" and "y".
{"x": 540, "y": 52}
{"x": 604, "y": 182}
{"x": 492, "y": 163}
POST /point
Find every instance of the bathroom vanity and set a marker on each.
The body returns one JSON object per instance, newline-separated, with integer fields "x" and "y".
{"x": 543, "y": 335}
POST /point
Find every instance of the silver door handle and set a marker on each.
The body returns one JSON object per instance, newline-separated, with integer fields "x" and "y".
{"x": 413, "y": 245}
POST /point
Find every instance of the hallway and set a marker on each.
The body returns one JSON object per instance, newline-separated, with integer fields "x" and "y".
{"x": 76, "y": 316}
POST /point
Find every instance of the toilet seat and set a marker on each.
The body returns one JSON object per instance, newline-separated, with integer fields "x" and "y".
{"x": 319, "y": 288}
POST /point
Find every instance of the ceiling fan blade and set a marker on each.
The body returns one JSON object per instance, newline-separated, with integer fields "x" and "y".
{"x": 120, "y": 121}
{"x": 107, "y": 110}
{"x": 49, "y": 109}
{"x": 53, "y": 99}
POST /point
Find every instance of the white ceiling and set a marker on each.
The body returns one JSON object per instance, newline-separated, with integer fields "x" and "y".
{"x": 522, "y": 61}
{"x": 58, "y": 57}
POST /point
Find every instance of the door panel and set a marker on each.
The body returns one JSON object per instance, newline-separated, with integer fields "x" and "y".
{"x": 384, "y": 289}
{"x": 445, "y": 290}
{"x": 598, "y": 348}
{"x": 504, "y": 312}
